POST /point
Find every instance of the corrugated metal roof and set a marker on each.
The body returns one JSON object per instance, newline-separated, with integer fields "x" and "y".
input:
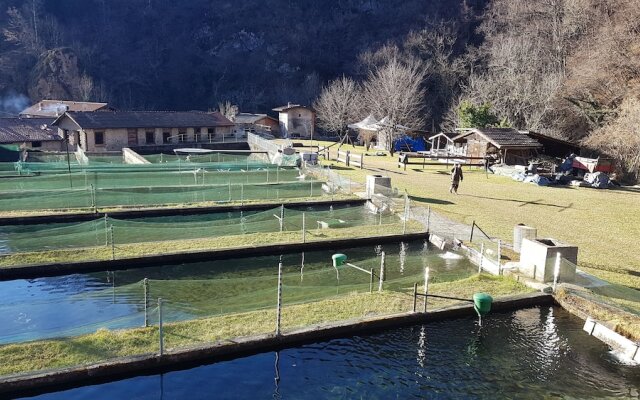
{"x": 147, "y": 119}
{"x": 16, "y": 130}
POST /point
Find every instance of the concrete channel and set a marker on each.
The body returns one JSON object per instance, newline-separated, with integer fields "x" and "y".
{"x": 185, "y": 358}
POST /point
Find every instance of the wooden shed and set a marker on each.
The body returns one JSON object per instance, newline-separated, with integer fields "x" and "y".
{"x": 509, "y": 145}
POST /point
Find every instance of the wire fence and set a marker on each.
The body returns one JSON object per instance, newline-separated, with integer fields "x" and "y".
{"x": 106, "y": 179}
{"x": 312, "y": 223}
{"x": 144, "y": 196}
{"x": 219, "y": 301}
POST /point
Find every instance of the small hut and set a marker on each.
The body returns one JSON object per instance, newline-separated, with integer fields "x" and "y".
{"x": 509, "y": 145}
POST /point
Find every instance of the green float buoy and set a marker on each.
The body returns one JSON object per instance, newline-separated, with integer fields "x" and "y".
{"x": 482, "y": 303}
{"x": 339, "y": 260}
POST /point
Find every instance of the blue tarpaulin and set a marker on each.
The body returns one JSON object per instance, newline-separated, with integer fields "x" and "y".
{"x": 406, "y": 143}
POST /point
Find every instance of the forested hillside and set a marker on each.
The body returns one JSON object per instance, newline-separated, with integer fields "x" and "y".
{"x": 569, "y": 68}
{"x": 166, "y": 54}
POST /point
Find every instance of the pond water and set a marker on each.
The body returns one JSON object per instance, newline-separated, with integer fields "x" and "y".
{"x": 82, "y": 303}
{"x": 538, "y": 353}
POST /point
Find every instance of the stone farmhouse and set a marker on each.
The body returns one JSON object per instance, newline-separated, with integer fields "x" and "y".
{"x": 296, "y": 121}
{"x": 30, "y": 133}
{"x": 100, "y": 131}
{"x": 255, "y": 123}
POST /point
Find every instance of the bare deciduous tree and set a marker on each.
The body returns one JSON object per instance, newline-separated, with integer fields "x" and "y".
{"x": 339, "y": 105}
{"x": 229, "y": 110}
{"x": 85, "y": 87}
{"x": 620, "y": 139}
{"x": 395, "y": 90}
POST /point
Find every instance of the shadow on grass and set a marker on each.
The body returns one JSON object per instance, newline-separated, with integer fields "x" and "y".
{"x": 339, "y": 168}
{"x": 523, "y": 203}
{"x": 430, "y": 200}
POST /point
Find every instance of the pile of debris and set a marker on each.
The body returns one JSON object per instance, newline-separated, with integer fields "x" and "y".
{"x": 572, "y": 171}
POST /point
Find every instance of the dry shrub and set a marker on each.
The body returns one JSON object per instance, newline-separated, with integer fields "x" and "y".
{"x": 620, "y": 139}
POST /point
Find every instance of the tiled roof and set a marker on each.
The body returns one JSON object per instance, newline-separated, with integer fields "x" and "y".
{"x": 246, "y": 118}
{"x": 147, "y": 119}
{"x": 289, "y": 107}
{"x": 16, "y": 130}
{"x": 54, "y": 108}
{"x": 503, "y": 137}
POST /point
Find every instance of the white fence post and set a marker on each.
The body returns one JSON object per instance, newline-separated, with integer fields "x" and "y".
{"x": 160, "y": 330}
{"x": 556, "y": 271}
{"x": 382, "y": 265}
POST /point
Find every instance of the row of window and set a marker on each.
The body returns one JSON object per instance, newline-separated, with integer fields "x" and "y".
{"x": 150, "y": 137}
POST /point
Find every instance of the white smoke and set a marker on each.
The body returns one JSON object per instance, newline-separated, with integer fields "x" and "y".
{"x": 13, "y": 103}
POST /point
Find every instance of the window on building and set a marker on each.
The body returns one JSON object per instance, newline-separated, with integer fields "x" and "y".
{"x": 150, "y": 137}
{"x": 182, "y": 136}
{"x": 211, "y": 134}
{"x": 36, "y": 144}
{"x": 166, "y": 137}
{"x": 99, "y": 138}
{"x": 196, "y": 134}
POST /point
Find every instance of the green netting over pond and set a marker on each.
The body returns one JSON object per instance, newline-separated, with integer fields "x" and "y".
{"x": 47, "y": 163}
{"x": 217, "y": 157}
{"x": 240, "y": 285}
{"x": 106, "y": 179}
{"x": 26, "y": 238}
{"x": 83, "y": 303}
{"x": 88, "y": 197}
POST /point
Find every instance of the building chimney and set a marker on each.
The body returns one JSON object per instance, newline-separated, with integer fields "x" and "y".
{"x": 39, "y": 106}
{"x": 288, "y": 104}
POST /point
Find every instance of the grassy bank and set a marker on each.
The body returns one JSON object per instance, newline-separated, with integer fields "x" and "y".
{"x": 605, "y": 224}
{"x": 123, "y": 251}
{"x": 105, "y": 344}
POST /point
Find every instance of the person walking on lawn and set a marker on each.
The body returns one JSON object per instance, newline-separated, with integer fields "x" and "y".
{"x": 456, "y": 177}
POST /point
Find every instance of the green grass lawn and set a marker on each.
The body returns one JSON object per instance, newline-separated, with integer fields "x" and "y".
{"x": 105, "y": 344}
{"x": 605, "y": 224}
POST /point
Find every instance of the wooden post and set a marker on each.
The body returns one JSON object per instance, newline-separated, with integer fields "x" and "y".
{"x": 371, "y": 281}
{"x": 415, "y": 296}
{"x": 382, "y": 265}
{"x": 279, "y": 304}
{"x": 473, "y": 225}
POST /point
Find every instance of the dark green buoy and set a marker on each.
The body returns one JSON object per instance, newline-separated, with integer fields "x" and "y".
{"x": 339, "y": 260}
{"x": 482, "y": 303}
